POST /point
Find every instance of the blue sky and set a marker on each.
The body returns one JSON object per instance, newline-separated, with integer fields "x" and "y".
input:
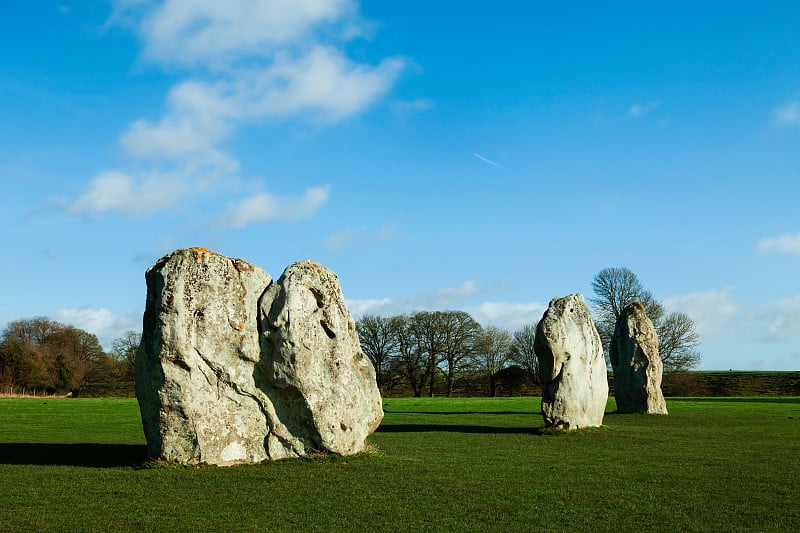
{"x": 486, "y": 158}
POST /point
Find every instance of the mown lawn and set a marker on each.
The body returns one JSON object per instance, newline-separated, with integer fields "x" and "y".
{"x": 713, "y": 464}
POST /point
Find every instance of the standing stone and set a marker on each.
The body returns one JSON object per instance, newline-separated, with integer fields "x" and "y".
{"x": 636, "y": 363}
{"x": 323, "y": 386}
{"x": 195, "y": 366}
{"x": 202, "y": 383}
{"x": 571, "y": 365}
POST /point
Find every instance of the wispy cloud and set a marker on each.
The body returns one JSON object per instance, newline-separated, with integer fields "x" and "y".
{"x": 102, "y": 322}
{"x": 437, "y": 299}
{"x": 714, "y": 311}
{"x": 779, "y": 321}
{"x": 490, "y": 162}
{"x": 217, "y": 34}
{"x": 507, "y": 315}
{"x": 117, "y": 191}
{"x": 244, "y": 62}
{"x": 788, "y": 114}
{"x": 362, "y": 307}
{"x": 349, "y": 238}
{"x": 786, "y": 244}
{"x": 265, "y": 207}
{"x": 640, "y": 110}
{"x": 406, "y": 108}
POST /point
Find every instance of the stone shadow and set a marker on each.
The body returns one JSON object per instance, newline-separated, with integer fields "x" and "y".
{"x": 462, "y": 412}
{"x": 453, "y": 428}
{"x": 744, "y": 399}
{"x": 88, "y": 454}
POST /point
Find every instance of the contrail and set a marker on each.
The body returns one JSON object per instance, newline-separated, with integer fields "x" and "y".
{"x": 489, "y": 161}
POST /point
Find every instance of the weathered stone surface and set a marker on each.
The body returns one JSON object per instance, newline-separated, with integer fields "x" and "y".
{"x": 206, "y": 386}
{"x": 323, "y": 385}
{"x": 636, "y": 363}
{"x": 571, "y": 365}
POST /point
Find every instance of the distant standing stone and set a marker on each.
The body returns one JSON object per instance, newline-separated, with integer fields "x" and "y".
{"x": 636, "y": 363}
{"x": 571, "y": 365}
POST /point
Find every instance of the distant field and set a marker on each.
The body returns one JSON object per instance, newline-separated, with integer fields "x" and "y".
{"x": 713, "y": 464}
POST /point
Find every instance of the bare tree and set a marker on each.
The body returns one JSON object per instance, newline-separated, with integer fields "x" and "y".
{"x": 33, "y": 330}
{"x": 522, "y": 351}
{"x": 124, "y": 349}
{"x": 616, "y": 288}
{"x": 379, "y": 341}
{"x": 493, "y": 350}
{"x": 677, "y": 342}
{"x": 410, "y": 355}
{"x": 459, "y": 332}
{"x": 428, "y": 328}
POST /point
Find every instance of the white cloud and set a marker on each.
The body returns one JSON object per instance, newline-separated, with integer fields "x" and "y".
{"x": 213, "y": 33}
{"x": 510, "y": 316}
{"x": 780, "y": 321}
{"x": 197, "y": 119}
{"x": 323, "y": 83}
{"x": 247, "y": 61}
{"x": 788, "y": 114}
{"x": 713, "y": 311}
{"x": 265, "y": 207}
{"x": 788, "y": 244}
{"x": 116, "y": 191}
{"x": 434, "y": 300}
{"x": 359, "y": 308}
{"x": 449, "y": 296}
{"x": 507, "y": 315}
{"x": 102, "y": 322}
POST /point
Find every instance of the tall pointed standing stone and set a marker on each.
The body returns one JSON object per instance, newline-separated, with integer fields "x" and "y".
{"x": 637, "y": 365}
{"x": 571, "y": 365}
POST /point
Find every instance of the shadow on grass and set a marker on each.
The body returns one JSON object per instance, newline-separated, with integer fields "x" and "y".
{"x": 744, "y": 399}
{"x": 462, "y": 412}
{"x": 89, "y": 455}
{"x": 453, "y": 428}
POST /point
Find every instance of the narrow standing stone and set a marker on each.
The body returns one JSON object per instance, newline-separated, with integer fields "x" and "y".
{"x": 571, "y": 365}
{"x": 636, "y": 363}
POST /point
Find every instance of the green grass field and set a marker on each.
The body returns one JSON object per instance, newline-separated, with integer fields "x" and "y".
{"x": 713, "y": 464}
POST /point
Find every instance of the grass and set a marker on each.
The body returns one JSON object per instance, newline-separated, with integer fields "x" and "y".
{"x": 713, "y": 464}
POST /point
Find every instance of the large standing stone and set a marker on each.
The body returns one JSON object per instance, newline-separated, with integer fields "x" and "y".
{"x": 201, "y": 369}
{"x": 636, "y": 363}
{"x": 322, "y": 385}
{"x": 571, "y": 365}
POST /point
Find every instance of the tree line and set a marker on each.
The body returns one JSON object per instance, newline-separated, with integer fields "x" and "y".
{"x": 426, "y": 348}
{"x": 417, "y": 349}
{"x": 41, "y": 356}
